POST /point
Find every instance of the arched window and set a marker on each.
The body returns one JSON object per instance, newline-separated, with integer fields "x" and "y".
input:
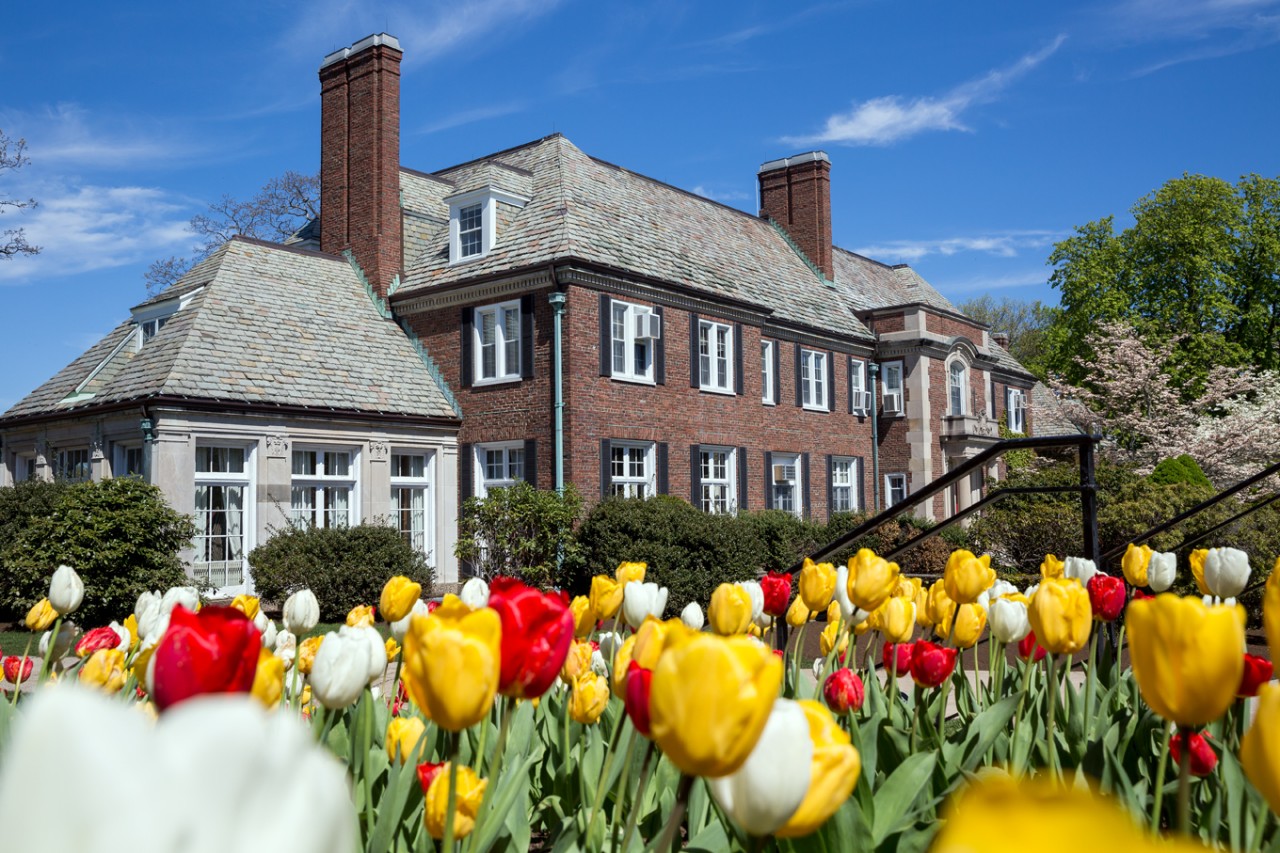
{"x": 958, "y": 385}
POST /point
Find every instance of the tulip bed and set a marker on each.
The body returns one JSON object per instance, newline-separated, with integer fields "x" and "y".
{"x": 508, "y": 718}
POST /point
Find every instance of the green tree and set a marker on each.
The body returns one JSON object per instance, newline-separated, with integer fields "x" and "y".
{"x": 1024, "y": 322}
{"x": 521, "y": 532}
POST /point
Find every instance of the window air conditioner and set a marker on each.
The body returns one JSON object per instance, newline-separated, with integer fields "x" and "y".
{"x": 862, "y": 401}
{"x": 648, "y": 326}
{"x": 892, "y": 402}
{"x": 784, "y": 473}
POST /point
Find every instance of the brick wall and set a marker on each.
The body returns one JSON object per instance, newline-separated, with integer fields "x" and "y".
{"x": 951, "y": 327}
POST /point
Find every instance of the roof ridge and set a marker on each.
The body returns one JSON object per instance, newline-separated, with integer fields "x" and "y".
{"x": 870, "y": 260}
{"x": 680, "y": 190}
{"x": 522, "y": 146}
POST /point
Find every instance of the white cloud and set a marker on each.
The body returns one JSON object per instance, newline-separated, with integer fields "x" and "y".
{"x": 1005, "y": 244}
{"x": 892, "y": 118}
{"x": 471, "y": 116}
{"x": 1027, "y": 278}
{"x": 721, "y": 196}
{"x": 69, "y": 136}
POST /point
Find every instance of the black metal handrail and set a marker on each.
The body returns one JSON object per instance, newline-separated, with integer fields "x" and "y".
{"x": 1088, "y": 488}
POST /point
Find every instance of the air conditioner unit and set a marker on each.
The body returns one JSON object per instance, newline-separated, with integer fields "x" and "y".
{"x": 862, "y": 401}
{"x": 784, "y": 473}
{"x": 892, "y": 402}
{"x": 648, "y": 326}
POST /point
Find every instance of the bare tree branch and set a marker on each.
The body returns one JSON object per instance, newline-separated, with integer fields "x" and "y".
{"x": 12, "y": 156}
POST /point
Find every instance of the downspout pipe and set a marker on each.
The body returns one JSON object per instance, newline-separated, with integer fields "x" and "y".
{"x": 873, "y": 371}
{"x": 557, "y": 299}
{"x": 148, "y": 427}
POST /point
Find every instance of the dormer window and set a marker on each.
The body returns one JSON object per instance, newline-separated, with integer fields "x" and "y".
{"x": 150, "y": 327}
{"x": 473, "y": 218}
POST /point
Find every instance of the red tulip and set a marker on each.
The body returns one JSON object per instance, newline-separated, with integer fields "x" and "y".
{"x": 1257, "y": 672}
{"x": 1138, "y": 594}
{"x": 427, "y": 773}
{"x": 1025, "y": 645}
{"x": 635, "y": 696}
{"x": 901, "y": 651}
{"x": 1203, "y": 758}
{"x": 1107, "y": 596}
{"x": 843, "y": 691}
{"x": 931, "y": 664}
{"x": 17, "y": 669}
{"x": 213, "y": 651}
{"x": 537, "y": 631}
{"x": 777, "y": 593}
{"x": 431, "y": 607}
{"x": 99, "y": 638}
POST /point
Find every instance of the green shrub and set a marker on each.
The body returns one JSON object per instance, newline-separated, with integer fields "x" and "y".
{"x": 519, "y": 531}
{"x": 783, "y": 539}
{"x": 343, "y": 566}
{"x": 119, "y": 535}
{"x": 929, "y": 557}
{"x": 1178, "y": 469}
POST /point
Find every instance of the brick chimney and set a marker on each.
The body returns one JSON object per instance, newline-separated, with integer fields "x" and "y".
{"x": 795, "y": 192}
{"x": 360, "y": 156}
{"x": 1001, "y": 339}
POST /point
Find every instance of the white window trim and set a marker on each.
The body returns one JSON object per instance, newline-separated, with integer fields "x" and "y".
{"x": 480, "y": 484}
{"x": 816, "y": 381}
{"x": 714, "y": 382}
{"x": 858, "y": 372}
{"x": 119, "y": 457}
{"x": 797, "y": 485}
{"x": 488, "y": 198}
{"x": 629, "y": 339}
{"x": 503, "y": 372}
{"x": 964, "y": 388}
{"x": 650, "y": 478}
{"x": 248, "y": 480}
{"x": 1012, "y": 397}
{"x": 855, "y": 499}
{"x": 352, "y": 479}
{"x": 768, "y": 358}
{"x": 888, "y": 489}
{"x": 427, "y": 482}
{"x": 730, "y": 481}
{"x": 886, "y": 389}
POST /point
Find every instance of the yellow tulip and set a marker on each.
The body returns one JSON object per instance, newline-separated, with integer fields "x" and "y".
{"x": 627, "y": 572}
{"x": 584, "y": 617}
{"x": 402, "y": 737}
{"x": 41, "y": 616}
{"x": 451, "y": 663}
{"x": 940, "y": 607}
{"x": 131, "y": 625}
{"x": 817, "y": 584}
{"x": 246, "y": 604}
{"x": 1187, "y": 658}
{"x": 830, "y": 635}
{"x": 576, "y": 662}
{"x": 971, "y": 621}
{"x": 470, "y": 794}
{"x": 621, "y": 663}
{"x": 655, "y": 636}
{"x": 392, "y": 647}
{"x": 1197, "y": 569}
{"x": 268, "y": 679}
{"x": 361, "y": 616}
{"x": 1260, "y": 748}
{"x": 1134, "y": 564}
{"x": 105, "y": 670}
{"x": 832, "y": 775}
{"x": 730, "y": 610}
{"x": 307, "y": 653}
{"x": 798, "y": 613}
{"x": 1052, "y": 567}
{"x": 398, "y": 597}
{"x": 907, "y": 587}
{"x": 1271, "y": 610}
{"x": 872, "y": 579}
{"x": 1061, "y": 616}
{"x": 606, "y": 596}
{"x": 305, "y": 699}
{"x": 588, "y": 698}
{"x": 923, "y": 618}
{"x": 967, "y": 576}
{"x": 709, "y": 701}
{"x": 140, "y": 664}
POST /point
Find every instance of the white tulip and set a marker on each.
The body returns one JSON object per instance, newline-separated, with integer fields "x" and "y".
{"x": 66, "y": 591}
{"x": 1080, "y": 569}
{"x": 375, "y": 649}
{"x": 819, "y": 664}
{"x": 475, "y": 593}
{"x": 341, "y": 670}
{"x": 641, "y": 600}
{"x": 282, "y": 788}
{"x": 187, "y": 596}
{"x": 609, "y": 644}
{"x": 68, "y": 635}
{"x": 766, "y": 791}
{"x": 286, "y": 648}
{"x": 999, "y": 588}
{"x": 1226, "y": 571}
{"x": 1161, "y": 570}
{"x": 150, "y": 616}
{"x": 401, "y": 626}
{"x": 756, "y": 594}
{"x": 301, "y": 612}
{"x": 1008, "y": 620}
{"x": 598, "y": 664}
{"x": 847, "y": 609}
{"x": 763, "y": 621}
{"x": 267, "y": 628}
{"x": 126, "y": 639}
{"x": 692, "y": 616}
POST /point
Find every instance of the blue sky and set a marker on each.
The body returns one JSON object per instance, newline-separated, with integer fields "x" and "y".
{"x": 965, "y": 138}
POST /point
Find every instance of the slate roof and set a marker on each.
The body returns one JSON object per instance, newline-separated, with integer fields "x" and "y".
{"x": 1047, "y": 417}
{"x": 271, "y": 326}
{"x": 869, "y": 284}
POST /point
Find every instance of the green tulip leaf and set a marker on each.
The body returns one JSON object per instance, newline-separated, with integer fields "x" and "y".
{"x": 893, "y": 800}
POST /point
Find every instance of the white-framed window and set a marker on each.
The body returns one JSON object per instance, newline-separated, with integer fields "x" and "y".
{"x": 632, "y": 469}
{"x": 858, "y": 399}
{"x": 813, "y": 379}
{"x": 892, "y": 401}
{"x": 472, "y": 218}
{"x": 470, "y": 230}
{"x": 1015, "y": 407}
{"x": 718, "y": 476}
{"x": 632, "y": 336}
{"x": 323, "y": 487}
{"x": 844, "y": 482}
{"x": 128, "y": 461}
{"x": 73, "y": 465}
{"x": 26, "y": 469}
{"x": 224, "y": 515}
{"x": 768, "y": 356}
{"x": 497, "y": 465}
{"x": 895, "y": 489}
{"x": 784, "y": 483}
{"x": 957, "y": 387}
{"x": 411, "y": 476}
{"x": 150, "y": 327}
{"x": 497, "y": 343}
{"x": 715, "y": 361}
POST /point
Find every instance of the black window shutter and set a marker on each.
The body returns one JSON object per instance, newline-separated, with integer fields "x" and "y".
{"x": 694, "y": 373}
{"x": 737, "y": 358}
{"x": 531, "y": 462}
{"x": 742, "y": 478}
{"x": 831, "y": 490}
{"x": 606, "y": 337}
{"x": 466, "y": 472}
{"x": 468, "y": 318}
{"x": 526, "y": 336}
{"x": 799, "y": 390}
{"x": 861, "y": 493}
{"x": 808, "y": 490}
{"x": 605, "y": 453}
{"x": 849, "y": 366}
{"x": 831, "y": 382}
{"x": 777, "y": 371}
{"x": 768, "y": 480}
{"x": 695, "y": 475}
{"x": 660, "y": 350}
{"x": 664, "y": 484}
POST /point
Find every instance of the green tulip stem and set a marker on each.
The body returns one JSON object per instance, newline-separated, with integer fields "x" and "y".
{"x": 892, "y": 685}
{"x": 1184, "y": 783}
{"x": 677, "y": 814}
{"x": 603, "y": 782}
{"x": 637, "y": 802}
{"x": 1120, "y": 648}
{"x": 1160, "y": 770}
{"x": 451, "y": 805}
{"x": 915, "y": 716}
{"x": 946, "y": 685}
{"x": 46, "y": 665}
{"x": 1051, "y": 714}
{"x": 17, "y": 688}
{"x": 495, "y": 766}
{"x": 1027, "y": 667}
{"x": 1091, "y": 680}
{"x": 620, "y": 790}
{"x": 795, "y": 659}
